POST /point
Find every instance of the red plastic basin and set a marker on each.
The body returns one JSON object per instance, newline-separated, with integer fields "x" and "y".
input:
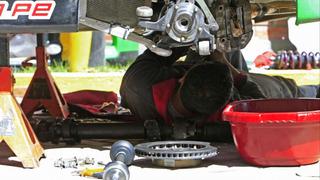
{"x": 276, "y": 132}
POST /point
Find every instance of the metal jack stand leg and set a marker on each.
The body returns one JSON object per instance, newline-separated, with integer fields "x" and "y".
{"x": 42, "y": 90}
{"x": 15, "y": 129}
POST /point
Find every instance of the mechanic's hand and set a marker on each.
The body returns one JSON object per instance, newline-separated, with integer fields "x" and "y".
{"x": 218, "y": 56}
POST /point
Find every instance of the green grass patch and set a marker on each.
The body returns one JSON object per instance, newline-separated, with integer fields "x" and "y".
{"x": 61, "y": 67}
{"x": 112, "y": 83}
{"x": 306, "y": 78}
{"x": 70, "y": 84}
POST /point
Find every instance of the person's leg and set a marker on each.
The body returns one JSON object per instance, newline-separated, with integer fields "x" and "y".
{"x": 311, "y": 91}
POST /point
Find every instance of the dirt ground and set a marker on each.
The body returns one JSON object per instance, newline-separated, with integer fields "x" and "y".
{"x": 226, "y": 165}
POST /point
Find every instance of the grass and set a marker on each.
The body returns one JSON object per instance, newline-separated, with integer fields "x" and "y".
{"x": 110, "y": 68}
{"x": 112, "y": 83}
{"x": 302, "y": 78}
{"x": 64, "y": 68}
{"x": 70, "y": 84}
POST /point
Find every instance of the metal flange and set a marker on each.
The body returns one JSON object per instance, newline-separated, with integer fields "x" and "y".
{"x": 176, "y": 154}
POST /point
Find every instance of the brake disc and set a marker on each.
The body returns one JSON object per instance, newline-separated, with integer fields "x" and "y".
{"x": 176, "y": 154}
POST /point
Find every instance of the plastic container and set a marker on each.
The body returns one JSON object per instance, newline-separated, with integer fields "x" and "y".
{"x": 276, "y": 132}
{"x": 76, "y": 49}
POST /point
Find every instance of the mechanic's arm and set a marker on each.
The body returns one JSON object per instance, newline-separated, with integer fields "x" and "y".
{"x": 152, "y": 68}
{"x": 238, "y": 77}
{"x": 167, "y": 61}
{"x": 246, "y": 88}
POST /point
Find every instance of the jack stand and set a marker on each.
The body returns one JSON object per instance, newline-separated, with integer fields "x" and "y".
{"x": 15, "y": 129}
{"x": 42, "y": 90}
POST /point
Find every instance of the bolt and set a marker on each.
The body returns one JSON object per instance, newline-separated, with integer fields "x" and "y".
{"x": 168, "y": 25}
{"x": 176, "y": 7}
{"x": 183, "y": 39}
{"x": 200, "y": 29}
{"x": 195, "y": 9}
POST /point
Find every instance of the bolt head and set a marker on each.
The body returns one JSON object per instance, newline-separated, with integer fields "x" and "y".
{"x": 144, "y": 12}
{"x": 168, "y": 25}
{"x": 195, "y": 9}
{"x": 176, "y": 7}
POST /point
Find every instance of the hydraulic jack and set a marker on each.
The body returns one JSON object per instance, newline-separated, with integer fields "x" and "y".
{"x": 15, "y": 129}
{"x": 43, "y": 91}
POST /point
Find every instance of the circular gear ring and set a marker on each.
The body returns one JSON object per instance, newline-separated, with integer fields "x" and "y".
{"x": 176, "y": 153}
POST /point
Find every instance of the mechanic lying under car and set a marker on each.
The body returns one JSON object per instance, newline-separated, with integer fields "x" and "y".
{"x": 154, "y": 88}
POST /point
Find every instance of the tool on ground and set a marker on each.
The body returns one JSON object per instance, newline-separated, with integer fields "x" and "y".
{"x": 42, "y": 90}
{"x": 67, "y": 163}
{"x": 15, "y": 129}
{"x": 73, "y": 162}
{"x": 122, "y": 155}
{"x": 96, "y": 172}
{"x": 176, "y": 154}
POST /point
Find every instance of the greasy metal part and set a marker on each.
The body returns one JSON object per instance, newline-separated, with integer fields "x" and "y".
{"x": 108, "y": 28}
{"x": 150, "y": 45}
{"x": 76, "y": 130}
{"x": 73, "y": 131}
{"x": 263, "y": 9}
{"x": 122, "y": 151}
{"x": 152, "y": 130}
{"x": 235, "y": 26}
{"x": 184, "y": 25}
{"x": 204, "y": 48}
{"x": 269, "y": 1}
{"x": 116, "y": 171}
{"x": 66, "y": 163}
{"x": 175, "y": 154}
{"x": 144, "y": 12}
{"x": 177, "y": 163}
{"x": 122, "y": 154}
{"x": 182, "y": 129}
{"x": 211, "y": 21}
{"x": 124, "y": 33}
{"x": 4, "y": 51}
{"x": 272, "y": 11}
{"x": 120, "y": 29}
{"x": 274, "y": 17}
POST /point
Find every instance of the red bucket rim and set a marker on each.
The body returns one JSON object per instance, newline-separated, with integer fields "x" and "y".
{"x": 271, "y": 117}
